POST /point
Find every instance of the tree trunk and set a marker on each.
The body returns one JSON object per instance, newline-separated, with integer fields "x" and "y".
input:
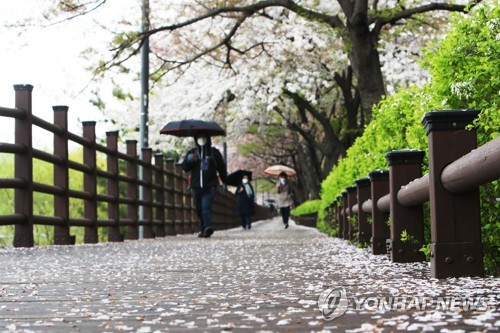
{"x": 365, "y": 61}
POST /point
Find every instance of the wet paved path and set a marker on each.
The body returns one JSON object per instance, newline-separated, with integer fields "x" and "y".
{"x": 264, "y": 280}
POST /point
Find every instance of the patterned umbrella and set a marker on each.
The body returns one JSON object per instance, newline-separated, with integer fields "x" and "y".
{"x": 275, "y": 170}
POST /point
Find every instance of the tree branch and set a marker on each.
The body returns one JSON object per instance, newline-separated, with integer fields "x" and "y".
{"x": 324, "y": 121}
{"x": 333, "y": 21}
{"x": 73, "y": 8}
{"x": 136, "y": 42}
{"x": 409, "y": 13}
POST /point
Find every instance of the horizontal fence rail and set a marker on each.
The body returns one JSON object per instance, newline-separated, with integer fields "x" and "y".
{"x": 143, "y": 192}
{"x": 395, "y": 202}
{"x": 416, "y": 192}
{"x": 479, "y": 167}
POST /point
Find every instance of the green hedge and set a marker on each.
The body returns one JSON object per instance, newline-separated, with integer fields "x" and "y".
{"x": 308, "y": 207}
{"x": 465, "y": 70}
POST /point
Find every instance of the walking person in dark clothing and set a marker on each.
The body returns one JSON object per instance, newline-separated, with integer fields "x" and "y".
{"x": 245, "y": 202}
{"x": 285, "y": 200}
{"x": 204, "y": 162}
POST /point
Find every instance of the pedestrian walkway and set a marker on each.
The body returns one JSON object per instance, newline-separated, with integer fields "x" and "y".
{"x": 267, "y": 279}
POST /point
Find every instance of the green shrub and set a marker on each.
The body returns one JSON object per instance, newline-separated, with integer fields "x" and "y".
{"x": 465, "y": 70}
{"x": 307, "y": 207}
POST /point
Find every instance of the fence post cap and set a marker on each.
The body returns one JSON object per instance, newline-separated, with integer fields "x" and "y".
{"x": 362, "y": 182}
{"x": 378, "y": 175}
{"x": 344, "y": 194}
{"x": 448, "y": 119}
{"x": 60, "y": 108}
{"x": 170, "y": 162}
{"x": 131, "y": 141}
{"x": 89, "y": 123}
{"x": 112, "y": 133}
{"x": 351, "y": 189}
{"x": 18, "y": 87}
{"x": 404, "y": 156}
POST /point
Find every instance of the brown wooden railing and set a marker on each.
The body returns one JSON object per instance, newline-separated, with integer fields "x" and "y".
{"x": 308, "y": 220}
{"x": 456, "y": 170}
{"x": 167, "y": 207}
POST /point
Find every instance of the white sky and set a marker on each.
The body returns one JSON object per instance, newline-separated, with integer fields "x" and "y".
{"x": 49, "y": 59}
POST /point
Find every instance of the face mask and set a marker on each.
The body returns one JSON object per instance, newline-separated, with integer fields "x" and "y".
{"x": 245, "y": 181}
{"x": 282, "y": 181}
{"x": 201, "y": 141}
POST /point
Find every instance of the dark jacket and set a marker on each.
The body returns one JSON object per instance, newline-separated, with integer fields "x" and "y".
{"x": 214, "y": 162}
{"x": 244, "y": 204}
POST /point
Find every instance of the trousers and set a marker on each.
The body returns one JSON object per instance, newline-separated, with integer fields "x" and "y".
{"x": 203, "y": 199}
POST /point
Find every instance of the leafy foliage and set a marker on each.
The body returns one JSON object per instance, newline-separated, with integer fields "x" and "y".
{"x": 408, "y": 238}
{"x": 308, "y": 207}
{"x": 392, "y": 128}
{"x": 465, "y": 70}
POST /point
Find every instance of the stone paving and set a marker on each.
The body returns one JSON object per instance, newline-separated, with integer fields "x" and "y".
{"x": 267, "y": 279}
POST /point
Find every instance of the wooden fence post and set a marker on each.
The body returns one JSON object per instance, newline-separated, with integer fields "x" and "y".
{"x": 61, "y": 177}
{"x": 379, "y": 180}
{"x": 456, "y": 247}
{"x": 404, "y": 167}
{"x": 364, "y": 228}
{"x": 332, "y": 216}
{"x": 170, "y": 198}
{"x": 230, "y": 209}
{"x": 194, "y": 216}
{"x": 223, "y": 206}
{"x": 90, "y": 183}
{"x": 216, "y": 212}
{"x": 147, "y": 193}
{"x": 114, "y": 234}
{"x": 351, "y": 201}
{"x": 190, "y": 227}
{"x": 23, "y": 165}
{"x": 180, "y": 225}
{"x": 160, "y": 195}
{"x": 345, "y": 215}
{"x": 132, "y": 191}
{"x": 340, "y": 217}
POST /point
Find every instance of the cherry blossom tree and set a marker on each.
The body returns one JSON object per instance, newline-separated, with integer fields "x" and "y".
{"x": 216, "y": 32}
{"x": 317, "y": 67}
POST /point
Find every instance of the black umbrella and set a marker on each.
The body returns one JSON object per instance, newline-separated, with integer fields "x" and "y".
{"x": 234, "y": 178}
{"x": 192, "y": 127}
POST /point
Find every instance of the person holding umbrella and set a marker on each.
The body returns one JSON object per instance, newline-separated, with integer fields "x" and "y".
{"x": 245, "y": 202}
{"x": 204, "y": 162}
{"x": 285, "y": 200}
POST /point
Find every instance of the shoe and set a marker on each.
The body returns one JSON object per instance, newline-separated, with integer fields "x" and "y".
{"x": 208, "y": 232}
{"x": 286, "y": 226}
{"x": 201, "y": 234}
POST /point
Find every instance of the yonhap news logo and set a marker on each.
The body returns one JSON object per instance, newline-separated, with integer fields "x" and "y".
{"x": 334, "y": 302}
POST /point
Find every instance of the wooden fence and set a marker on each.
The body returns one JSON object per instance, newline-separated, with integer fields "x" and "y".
{"x": 308, "y": 220}
{"x": 456, "y": 170}
{"x": 166, "y": 204}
